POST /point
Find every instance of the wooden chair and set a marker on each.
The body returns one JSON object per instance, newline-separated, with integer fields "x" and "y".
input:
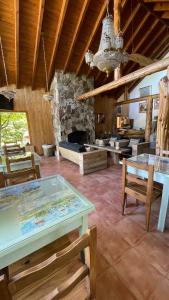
{"x": 141, "y": 189}
{"x": 54, "y": 278}
{"x": 13, "y": 149}
{"x": 19, "y": 176}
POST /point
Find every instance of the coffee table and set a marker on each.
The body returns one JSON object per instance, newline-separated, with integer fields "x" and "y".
{"x": 115, "y": 152}
{"x": 36, "y": 213}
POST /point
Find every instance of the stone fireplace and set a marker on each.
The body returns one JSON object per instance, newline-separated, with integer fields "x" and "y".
{"x": 70, "y": 116}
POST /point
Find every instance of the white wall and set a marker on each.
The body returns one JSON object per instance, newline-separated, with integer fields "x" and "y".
{"x": 140, "y": 118}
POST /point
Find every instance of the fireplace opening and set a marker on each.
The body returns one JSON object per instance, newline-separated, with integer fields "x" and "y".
{"x": 78, "y": 136}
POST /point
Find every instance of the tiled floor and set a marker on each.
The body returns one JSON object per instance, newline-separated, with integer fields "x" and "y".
{"x": 132, "y": 264}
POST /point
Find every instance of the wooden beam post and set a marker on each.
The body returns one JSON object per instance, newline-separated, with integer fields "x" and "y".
{"x": 150, "y": 69}
{"x": 162, "y": 142}
{"x": 148, "y": 129}
{"x": 117, "y": 25}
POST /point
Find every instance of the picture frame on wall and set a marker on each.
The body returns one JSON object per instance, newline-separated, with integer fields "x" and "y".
{"x": 143, "y": 107}
{"x": 156, "y": 103}
{"x": 145, "y": 91}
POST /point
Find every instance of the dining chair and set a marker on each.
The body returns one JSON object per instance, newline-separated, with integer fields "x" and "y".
{"x": 21, "y": 175}
{"x": 140, "y": 188}
{"x": 13, "y": 150}
{"x": 54, "y": 278}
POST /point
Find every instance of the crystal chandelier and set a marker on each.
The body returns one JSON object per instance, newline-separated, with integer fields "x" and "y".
{"x": 110, "y": 53}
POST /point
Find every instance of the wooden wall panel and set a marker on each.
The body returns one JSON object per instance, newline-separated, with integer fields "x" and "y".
{"x": 39, "y": 116}
{"x": 104, "y": 105}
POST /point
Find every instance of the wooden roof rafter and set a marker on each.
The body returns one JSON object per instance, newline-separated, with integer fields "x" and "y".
{"x": 16, "y": 7}
{"x": 77, "y": 30}
{"x": 57, "y": 38}
{"x": 165, "y": 15}
{"x": 161, "y": 6}
{"x": 158, "y": 6}
{"x": 38, "y": 38}
{"x": 97, "y": 23}
{"x": 160, "y": 45}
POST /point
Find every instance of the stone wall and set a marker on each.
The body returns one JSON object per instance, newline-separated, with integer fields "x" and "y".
{"x": 67, "y": 113}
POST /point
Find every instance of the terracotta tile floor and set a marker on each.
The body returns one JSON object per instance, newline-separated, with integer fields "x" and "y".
{"x": 131, "y": 263}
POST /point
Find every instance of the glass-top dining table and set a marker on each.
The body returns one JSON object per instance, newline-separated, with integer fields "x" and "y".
{"x": 35, "y": 213}
{"x": 161, "y": 175}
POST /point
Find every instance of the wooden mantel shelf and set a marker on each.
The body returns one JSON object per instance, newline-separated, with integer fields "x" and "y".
{"x": 150, "y": 69}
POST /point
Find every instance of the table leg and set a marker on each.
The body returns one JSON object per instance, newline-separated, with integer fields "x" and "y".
{"x": 82, "y": 230}
{"x": 2, "y": 180}
{"x": 163, "y": 208}
{"x": 38, "y": 171}
{"x": 84, "y": 227}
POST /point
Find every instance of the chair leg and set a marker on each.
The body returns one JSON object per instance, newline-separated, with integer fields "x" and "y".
{"x": 148, "y": 214}
{"x": 124, "y": 200}
{"x": 137, "y": 202}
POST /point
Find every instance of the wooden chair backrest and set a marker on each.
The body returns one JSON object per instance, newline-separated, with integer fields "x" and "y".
{"x": 12, "y": 150}
{"x": 19, "y": 176}
{"x": 10, "y": 160}
{"x": 58, "y": 260}
{"x": 164, "y": 153}
{"x": 128, "y": 177}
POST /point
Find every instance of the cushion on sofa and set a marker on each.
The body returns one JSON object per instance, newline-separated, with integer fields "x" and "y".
{"x": 73, "y": 146}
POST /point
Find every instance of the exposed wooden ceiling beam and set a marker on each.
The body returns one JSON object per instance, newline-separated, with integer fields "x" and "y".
{"x": 16, "y": 3}
{"x": 161, "y": 7}
{"x": 162, "y": 43}
{"x": 150, "y": 69}
{"x": 38, "y": 37}
{"x": 165, "y": 15}
{"x": 57, "y": 37}
{"x": 78, "y": 26}
{"x": 129, "y": 20}
{"x": 145, "y": 35}
{"x": 153, "y": 39}
{"x": 137, "y": 29}
{"x": 164, "y": 49}
{"x": 128, "y": 101}
{"x": 151, "y": 1}
{"x": 144, "y": 52}
{"x": 96, "y": 25}
{"x": 152, "y": 12}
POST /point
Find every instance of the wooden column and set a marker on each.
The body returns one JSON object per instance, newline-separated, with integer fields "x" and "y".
{"x": 149, "y": 119}
{"x": 163, "y": 116}
{"x": 117, "y": 21}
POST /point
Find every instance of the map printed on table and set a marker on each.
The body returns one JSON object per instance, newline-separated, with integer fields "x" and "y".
{"x": 38, "y": 207}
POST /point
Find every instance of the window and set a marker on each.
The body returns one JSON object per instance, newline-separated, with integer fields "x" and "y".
{"x": 14, "y": 128}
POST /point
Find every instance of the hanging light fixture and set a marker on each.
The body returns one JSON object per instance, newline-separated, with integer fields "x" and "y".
{"x": 9, "y": 94}
{"x": 110, "y": 53}
{"x": 47, "y": 96}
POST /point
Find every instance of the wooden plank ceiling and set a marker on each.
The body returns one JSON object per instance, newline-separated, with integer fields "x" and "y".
{"x": 70, "y": 27}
